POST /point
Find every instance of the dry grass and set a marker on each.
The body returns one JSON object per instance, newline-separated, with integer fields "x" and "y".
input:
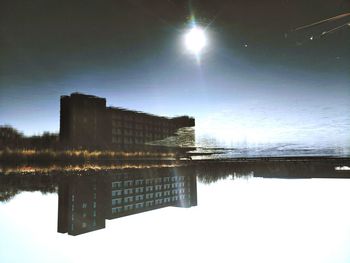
{"x": 79, "y": 168}
{"x": 73, "y": 156}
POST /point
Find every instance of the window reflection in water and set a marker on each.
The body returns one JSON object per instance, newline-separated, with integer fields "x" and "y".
{"x": 85, "y": 202}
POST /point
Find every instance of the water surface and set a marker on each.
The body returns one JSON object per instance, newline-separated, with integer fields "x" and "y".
{"x": 244, "y": 213}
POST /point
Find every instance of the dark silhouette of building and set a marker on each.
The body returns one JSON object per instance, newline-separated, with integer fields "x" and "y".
{"x": 86, "y": 121}
{"x": 86, "y": 201}
{"x": 81, "y": 206}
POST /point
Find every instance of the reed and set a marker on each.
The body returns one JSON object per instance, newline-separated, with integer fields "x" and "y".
{"x": 9, "y": 156}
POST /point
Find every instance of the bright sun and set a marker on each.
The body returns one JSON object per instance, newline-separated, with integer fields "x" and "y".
{"x": 195, "y": 40}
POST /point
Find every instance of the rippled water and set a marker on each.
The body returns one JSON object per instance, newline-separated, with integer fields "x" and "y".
{"x": 273, "y": 151}
{"x": 241, "y": 212}
{"x": 234, "y": 148}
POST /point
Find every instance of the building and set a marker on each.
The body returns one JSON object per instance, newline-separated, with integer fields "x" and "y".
{"x": 85, "y": 121}
{"x": 85, "y": 202}
{"x": 148, "y": 189}
{"x": 78, "y": 211}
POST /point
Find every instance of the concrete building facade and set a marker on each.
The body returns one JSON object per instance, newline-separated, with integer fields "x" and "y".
{"x": 86, "y": 121}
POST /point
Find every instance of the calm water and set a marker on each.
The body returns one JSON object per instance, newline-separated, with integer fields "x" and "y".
{"x": 219, "y": 149}
{"x": 217, "y": 212}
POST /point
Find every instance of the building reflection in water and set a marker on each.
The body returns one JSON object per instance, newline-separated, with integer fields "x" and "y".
{"x": 86, "y": 201}
{"x": 88, "y": 197}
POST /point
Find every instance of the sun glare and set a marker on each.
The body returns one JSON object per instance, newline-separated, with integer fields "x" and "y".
{"x": 195, "y": 40}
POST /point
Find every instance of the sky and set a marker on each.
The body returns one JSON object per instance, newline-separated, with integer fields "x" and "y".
{"x": 257, "y": 81}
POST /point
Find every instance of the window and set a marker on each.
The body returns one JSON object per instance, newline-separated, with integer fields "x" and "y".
{"x": 116, "y": 201}
{"x": 158, "y": 201}
{"x": 139, "y": 182}
{"x": 139, "y": 190}
{"x": 116, "y": 184}
{"x": 116, "y": 192}
{"x": 149, "y": 196}
{"x": 139, "y": 205}
{"x": 117, "y": 209}
{"x": 128, "y": 207}
{"x": 128, "y": 199}
{"x": 128, "y": 191}
{"x": 128, "y": 183}
{"x": 149, "y": 203}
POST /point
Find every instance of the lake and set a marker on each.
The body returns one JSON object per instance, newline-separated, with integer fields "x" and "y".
{"x": 222, "y": 211}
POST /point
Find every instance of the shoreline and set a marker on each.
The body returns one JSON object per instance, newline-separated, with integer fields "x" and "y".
{"x": 120, "y": 164}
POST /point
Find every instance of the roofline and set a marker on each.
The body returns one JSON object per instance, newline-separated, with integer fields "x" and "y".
{"x": 146, "y": 114}
{"x": 124, "y": 109}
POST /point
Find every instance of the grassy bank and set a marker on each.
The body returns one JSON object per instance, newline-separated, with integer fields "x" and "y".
{"x": 8, "y": 156}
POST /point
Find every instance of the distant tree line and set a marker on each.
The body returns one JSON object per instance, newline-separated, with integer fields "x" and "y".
{"x": 11, "y": 185}
{"x": 15, "y": 182}
{"x": 313, "y": 168}
{"x": 10, "y": 138}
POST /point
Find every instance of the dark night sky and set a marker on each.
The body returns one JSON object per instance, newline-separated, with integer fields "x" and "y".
{"x": 254, "y": 67}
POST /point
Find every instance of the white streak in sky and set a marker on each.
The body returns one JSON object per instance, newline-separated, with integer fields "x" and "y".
{"x": 323, "y": 21}
{"x": 335, "y": 29}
